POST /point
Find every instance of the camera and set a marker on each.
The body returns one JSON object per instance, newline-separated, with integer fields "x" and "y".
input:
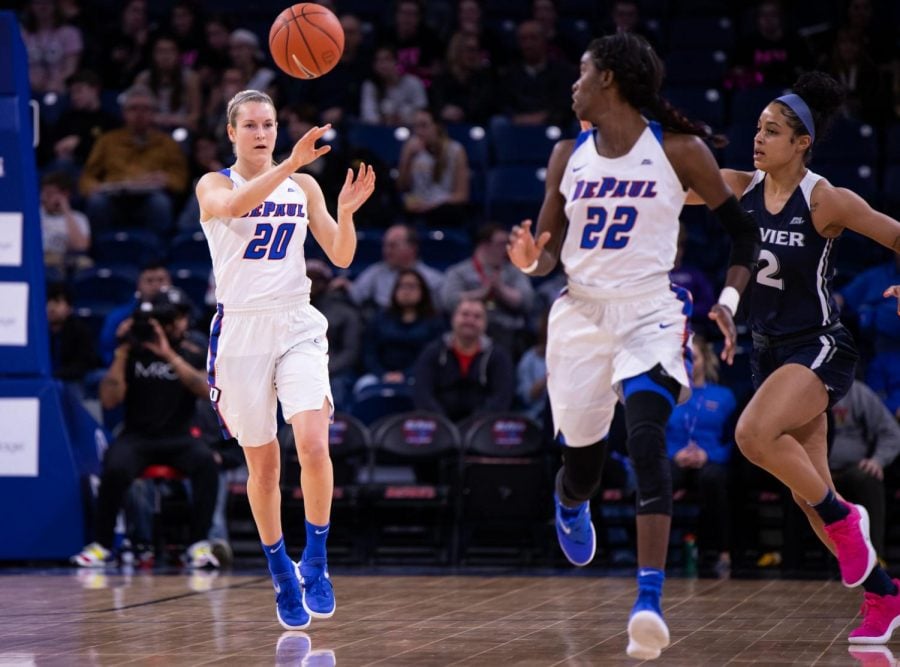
{"x": 165, "y": 307}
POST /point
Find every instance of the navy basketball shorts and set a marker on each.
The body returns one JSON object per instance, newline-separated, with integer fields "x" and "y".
{"x": 830, "y": 354}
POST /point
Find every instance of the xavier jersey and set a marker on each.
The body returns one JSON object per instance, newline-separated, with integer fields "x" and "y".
{"x": 623, "y": 215}
{"x": 792, "y": 284}
{"x": 258, "y": 258}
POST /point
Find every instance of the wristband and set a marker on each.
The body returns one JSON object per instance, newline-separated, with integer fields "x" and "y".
{"x": 730, "y": 298}
{"x": 531, "y": 267}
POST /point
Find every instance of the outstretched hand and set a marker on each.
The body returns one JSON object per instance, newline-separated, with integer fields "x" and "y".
{"x": 522, "y": 249}
{"x": 306, "y": 151}
{"x": 355, "y": 192}
{"x": 893, "y": 291}
{"x": 723, "y": 317}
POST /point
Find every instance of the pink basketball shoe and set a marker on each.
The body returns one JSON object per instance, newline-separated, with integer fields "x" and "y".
{"x": 881, "y": 616}
{"x": 855, "y": 553}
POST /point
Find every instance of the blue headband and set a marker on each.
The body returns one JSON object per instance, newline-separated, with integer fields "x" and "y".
{"x": 796, "y": 104}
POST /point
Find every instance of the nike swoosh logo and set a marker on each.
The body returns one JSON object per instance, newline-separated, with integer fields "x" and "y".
{"x": 644, "y": 573}
{"x": 665, "y": 326}
{"x": 321, "y": 532}
{"x": 565, "y": 528}
{"x": 276, "y": 549}
{"x": 579, "y": 168}
{"x": 277, "y": 589}
{"x": 644, "y": 503}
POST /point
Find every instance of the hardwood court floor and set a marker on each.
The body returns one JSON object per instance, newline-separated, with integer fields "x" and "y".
{"x": 89, "y": 618}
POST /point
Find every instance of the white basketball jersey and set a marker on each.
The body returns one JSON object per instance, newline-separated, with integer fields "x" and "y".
{"x": 623, "y": 215}
{"x": 258, "y": 258}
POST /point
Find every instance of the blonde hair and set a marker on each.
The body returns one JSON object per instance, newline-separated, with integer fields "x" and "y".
{"x": 710, "y": 360}
{"x": 242, "y": 98}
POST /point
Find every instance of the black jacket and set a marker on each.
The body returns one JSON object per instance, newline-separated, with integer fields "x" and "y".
{"x": 441, "y": 387}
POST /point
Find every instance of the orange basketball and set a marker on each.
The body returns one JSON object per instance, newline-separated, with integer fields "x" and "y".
{"x": 306, "y": 40}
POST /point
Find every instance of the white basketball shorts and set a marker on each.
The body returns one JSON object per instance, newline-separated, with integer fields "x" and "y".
{"x": 261, "y": 355}
{"x": 594, "y": 344}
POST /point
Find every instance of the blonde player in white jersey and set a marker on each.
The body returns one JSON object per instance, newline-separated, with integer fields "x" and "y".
{"x": 267, "y": 343}
{"x": 620, "y": 330}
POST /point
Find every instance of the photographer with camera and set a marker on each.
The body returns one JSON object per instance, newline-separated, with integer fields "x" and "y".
{"x": 156, "y": 374}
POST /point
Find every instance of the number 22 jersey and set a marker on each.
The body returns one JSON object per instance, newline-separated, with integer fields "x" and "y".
{"x": 623, "y": 215}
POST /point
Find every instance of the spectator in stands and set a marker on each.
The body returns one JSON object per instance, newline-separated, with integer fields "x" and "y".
{"x": 470, "y": 21}
{"x": 866, "y": 441}
{"x": 344, "y": 330}
{"x": 72, "y": 349}
{"x": 214, "y": 57}
{"x": 546, "y": 13}
{"x": 125, "y": 46}
{"x": 330, "y": 169}
{"x": 418, "y": 48}
{"x": 537, "y": 90}
{"x": 153, "y": 278}
{"x": 531, "y": 374}
{"x": 54, "y": 49}
{"x": 389, "y": 97}
{"x": 184, "y": 26}
{"x": 434, "y": 175}
{"x": 227, "y": 83}
{"x": 66, "y": 233}
{"x": 490, "y": 277}
{"x": 464, "y": 373}
{"x": 176, "y": 88}
{"x": 247, "y": 56}
{"x": 69, "y": 142}
{"x": 338, "y": 94}
{"x": 868, "y": 94}
{"x": 877, "y": 316}
{"x": 399, "y": 250}
{"x": 769, "y": 56}
{"x": 157, "y": 376}
{"x": 397, "y": 334}
{"x": 204, "y": 158}
{"x": 133, "y": 173}
{"x": 464, "y": 91}
{"x": 699, "y": 438}
{"x": 695, "y": 281}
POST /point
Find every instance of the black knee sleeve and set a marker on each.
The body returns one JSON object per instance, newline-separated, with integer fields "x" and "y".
{"x": 646, "y": 414}
{"x": 579, "y": 477}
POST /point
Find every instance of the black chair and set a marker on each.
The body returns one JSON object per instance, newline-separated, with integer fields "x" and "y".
{"x": 505, "y": 485}
{"x": 349, "y": 444}
{"x": 413, "y": 487}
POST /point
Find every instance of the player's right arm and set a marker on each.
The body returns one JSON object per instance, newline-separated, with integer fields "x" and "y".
{"x": 523, "y": 250}
{"x": 220, "y": 199}
{"x": 737, "y": 182}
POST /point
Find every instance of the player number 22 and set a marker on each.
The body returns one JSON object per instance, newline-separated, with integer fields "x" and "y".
{"x": 264, "y": 242}
{"x": 616, "y": 236}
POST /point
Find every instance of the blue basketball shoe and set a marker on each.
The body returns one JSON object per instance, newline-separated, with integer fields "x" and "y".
{"x": 648, "y": 633}
{"x": 318, "y": 593}
{"x": 576, "y": 534}
{"x": 289, "y": 607}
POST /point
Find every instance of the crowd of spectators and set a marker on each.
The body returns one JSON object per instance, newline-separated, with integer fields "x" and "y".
{"x": 133, "y": 102}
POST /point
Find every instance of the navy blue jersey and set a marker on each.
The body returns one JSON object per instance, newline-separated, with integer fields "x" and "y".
{"x": 791, "y": 288}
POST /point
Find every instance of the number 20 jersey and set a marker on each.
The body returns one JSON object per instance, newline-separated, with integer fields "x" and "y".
{"x": 791, "y": 288}
{"x": 623, "y": 215}
{"x": 258, "y": 258}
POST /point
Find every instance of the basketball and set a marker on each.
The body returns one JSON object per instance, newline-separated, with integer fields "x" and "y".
{"x": 306, "y": 40}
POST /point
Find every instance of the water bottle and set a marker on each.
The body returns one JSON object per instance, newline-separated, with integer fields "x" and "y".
{"x": 690, "y": 555}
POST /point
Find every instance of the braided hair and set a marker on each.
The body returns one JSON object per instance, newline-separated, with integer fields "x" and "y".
{"x": 638, "y": 73}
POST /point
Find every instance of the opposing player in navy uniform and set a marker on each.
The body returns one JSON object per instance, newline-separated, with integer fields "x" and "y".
{"x": 803, "y": 358}
{"x": 267, "y": 343}
{"x": 620, "y": 331}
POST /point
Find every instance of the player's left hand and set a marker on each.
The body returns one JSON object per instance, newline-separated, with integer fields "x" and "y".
{"x": 724, "y": 318}
{"x": 160, "y": 346}
{"x": 893, "y": 291}
{"x": 355, "y": 192}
